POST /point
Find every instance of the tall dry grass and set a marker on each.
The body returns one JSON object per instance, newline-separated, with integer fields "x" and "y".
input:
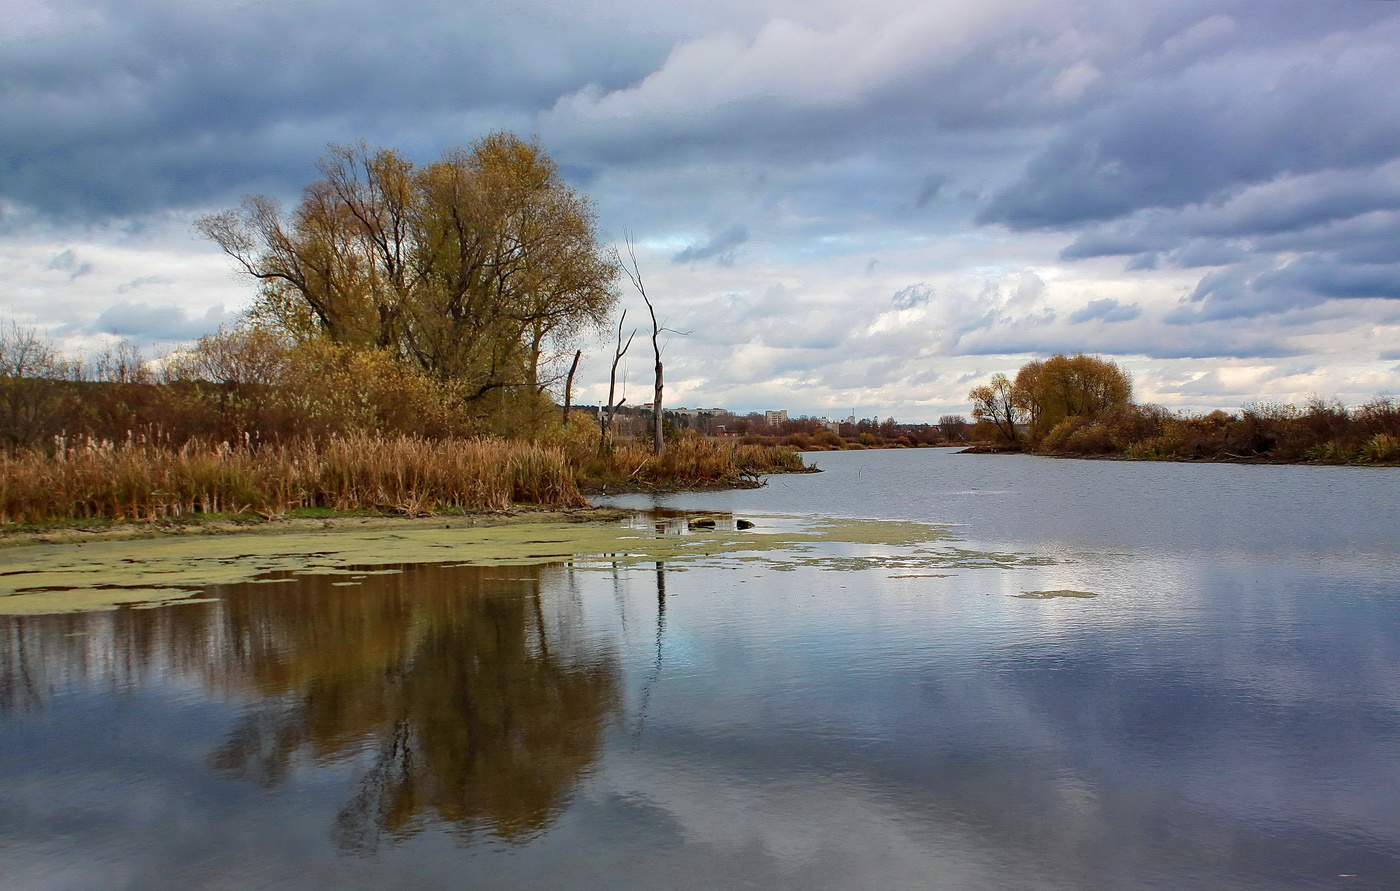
{"x": 140, "y": 480}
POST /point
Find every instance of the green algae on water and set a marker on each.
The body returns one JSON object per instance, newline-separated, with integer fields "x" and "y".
{"x": 1047, "y": 595}
{"x": 51, "y": 578}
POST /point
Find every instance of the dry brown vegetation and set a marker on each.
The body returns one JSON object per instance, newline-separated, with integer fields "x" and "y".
{"x": 141, "y": 480}
{"x": 250, "y": 423}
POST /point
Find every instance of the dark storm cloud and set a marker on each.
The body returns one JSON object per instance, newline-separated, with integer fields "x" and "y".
{"x": 132, "y": 107}
{"x": 1275, "y": 165}
{"x": 1335, "y": 280}
{"x": 1232, "y": 121}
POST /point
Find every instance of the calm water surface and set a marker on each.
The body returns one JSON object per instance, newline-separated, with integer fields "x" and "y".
{"x": 1115, "y": 676}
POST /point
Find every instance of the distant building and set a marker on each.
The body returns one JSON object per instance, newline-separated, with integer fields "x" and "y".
{"x": 698, "y": 412}
{"x": 773, "y": 418}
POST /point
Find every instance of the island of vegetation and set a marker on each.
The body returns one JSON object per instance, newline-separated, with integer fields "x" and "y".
{"x": 1083, "y": 405}
{"x": 411, "y": 333}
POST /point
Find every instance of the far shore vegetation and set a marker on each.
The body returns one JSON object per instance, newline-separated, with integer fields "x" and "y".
{"x": 1083, "y": 406}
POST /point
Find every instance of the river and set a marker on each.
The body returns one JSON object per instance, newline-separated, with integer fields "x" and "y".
{"x": 918, "y": 669}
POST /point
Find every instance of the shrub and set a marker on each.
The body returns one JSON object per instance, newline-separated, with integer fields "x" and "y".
{"x": 1381, "y": 448}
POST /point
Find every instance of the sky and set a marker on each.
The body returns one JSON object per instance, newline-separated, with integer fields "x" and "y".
{"x": 838, "y": 208}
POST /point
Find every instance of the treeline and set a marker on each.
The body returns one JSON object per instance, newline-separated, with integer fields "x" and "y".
{"x": 803, "y": 433}
{"x": 1083, "y": 405}
{"x": 817, "y": 435}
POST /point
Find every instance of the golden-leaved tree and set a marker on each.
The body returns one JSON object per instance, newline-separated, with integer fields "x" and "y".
{"x": 1047, "y": 393}
{"x": 477, "y": 269}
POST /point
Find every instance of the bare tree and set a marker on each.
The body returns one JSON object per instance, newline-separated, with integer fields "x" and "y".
{"x": 605, "y": 416}
{"x": 996, "y": 402}
{"x": 634, "y": 273}
{"x": 32, "y": 396}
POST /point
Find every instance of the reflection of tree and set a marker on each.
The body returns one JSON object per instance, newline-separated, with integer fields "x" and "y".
{"x": 470, "y": 690}
{"x": 655, "y": 674}
{"x": 475, "y": 717}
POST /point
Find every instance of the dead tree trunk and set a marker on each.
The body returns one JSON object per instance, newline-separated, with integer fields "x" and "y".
{"x": 658, "y": 436}
{"x": 606, "y": 412}
{"x": 658, "y": 441}
{"x": 569, "y": 385}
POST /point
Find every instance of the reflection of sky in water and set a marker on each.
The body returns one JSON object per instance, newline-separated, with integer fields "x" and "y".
{"x": 1224, "y": 713}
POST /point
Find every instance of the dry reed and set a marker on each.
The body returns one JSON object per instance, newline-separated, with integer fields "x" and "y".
{"x": 686, "y": 462}
{"x": 140, "y": 480}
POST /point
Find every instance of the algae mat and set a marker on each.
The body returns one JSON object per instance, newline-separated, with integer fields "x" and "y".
{"x": 109, "y": 574}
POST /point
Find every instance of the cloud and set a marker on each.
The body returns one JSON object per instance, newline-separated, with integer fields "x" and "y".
{"x": 1054, "y": 174}
{"x": 67, "y": 261}
{"x": 143, "y": 282}
{"x": 1105, "y": 310}
{"x": 929, "y": 189}
{"x": 720, "y": 247}
{"x": 146, "y": 322}
{"x": 128, "y": 108}
{"x": 1264, "y": 288}
{"x": 1227, "y": 122}
{"x": 913, "y": 295}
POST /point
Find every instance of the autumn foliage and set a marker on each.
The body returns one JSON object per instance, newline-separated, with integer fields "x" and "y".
{"x": 248, "y": 421}
{"x": 1081, "y": 405}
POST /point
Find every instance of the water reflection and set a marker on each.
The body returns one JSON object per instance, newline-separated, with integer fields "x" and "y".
{"x": 469, "y": 699}
{"x": 664, "y": 521}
